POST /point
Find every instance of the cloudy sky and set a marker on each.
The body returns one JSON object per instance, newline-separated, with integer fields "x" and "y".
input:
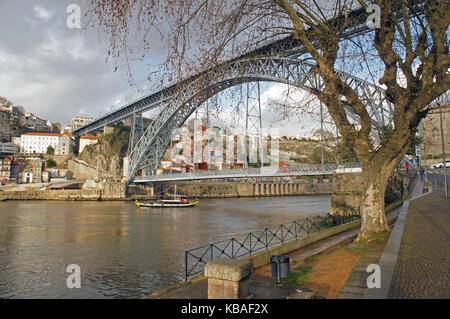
{"x": 58, "y": 73}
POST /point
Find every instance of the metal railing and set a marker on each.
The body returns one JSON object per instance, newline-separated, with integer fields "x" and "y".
{"x": 246, "y": 245}
{"x": 315, "y": 169}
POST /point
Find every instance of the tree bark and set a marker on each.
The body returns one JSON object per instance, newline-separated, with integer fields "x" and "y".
{"x": 373, "y": 216}
{"x": 375, "y": 180}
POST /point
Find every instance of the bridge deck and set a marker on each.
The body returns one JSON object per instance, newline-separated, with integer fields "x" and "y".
{"x": 301, "y": 170}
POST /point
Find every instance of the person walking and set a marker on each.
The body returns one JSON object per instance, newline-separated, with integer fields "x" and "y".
{"x": 422, "y": 173}
{"x": 407, "y": 167}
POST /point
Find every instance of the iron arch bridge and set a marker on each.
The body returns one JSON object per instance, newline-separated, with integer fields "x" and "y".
{"x": 148, "y": 151}
{"x": 274, "y": 62}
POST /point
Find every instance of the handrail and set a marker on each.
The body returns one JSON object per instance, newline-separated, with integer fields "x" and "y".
{"x": 246, "y": 245}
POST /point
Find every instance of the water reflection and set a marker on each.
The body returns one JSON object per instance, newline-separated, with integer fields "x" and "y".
{"x": 123, "y": 251}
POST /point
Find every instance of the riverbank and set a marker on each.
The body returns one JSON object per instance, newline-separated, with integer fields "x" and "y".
{"x": 302, "y": 252}
{"x": 69, "y": 191}
{"x": 305, "y": 253}
{"x": 120, "y": 191}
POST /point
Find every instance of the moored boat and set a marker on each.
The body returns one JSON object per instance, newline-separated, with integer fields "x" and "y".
{"x": 177, "y": 201}
{"x": 168, "y": 203}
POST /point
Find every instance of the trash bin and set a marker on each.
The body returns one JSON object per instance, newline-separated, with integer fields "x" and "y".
{"x": 280, "y": 263}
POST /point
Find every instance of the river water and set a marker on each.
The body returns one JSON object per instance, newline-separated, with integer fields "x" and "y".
{"x": 123, "y": 251}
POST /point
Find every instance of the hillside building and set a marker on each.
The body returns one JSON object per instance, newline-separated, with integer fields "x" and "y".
{"x": 38, "y": 143}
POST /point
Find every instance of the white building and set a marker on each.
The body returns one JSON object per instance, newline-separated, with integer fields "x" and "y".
{"x": 38, "y": 143}
{"x": 80, "y": 121}
{"x": 86, "y": 140}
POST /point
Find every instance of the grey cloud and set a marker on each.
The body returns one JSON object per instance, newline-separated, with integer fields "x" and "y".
{"x": 58, "y": 73}
{"x": 53, "y": 71}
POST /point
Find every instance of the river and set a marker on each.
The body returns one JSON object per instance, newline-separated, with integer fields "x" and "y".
{"x": 123, "y": 251}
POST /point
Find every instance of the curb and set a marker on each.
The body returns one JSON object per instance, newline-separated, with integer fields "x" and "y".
{"x": 389, "y": 257}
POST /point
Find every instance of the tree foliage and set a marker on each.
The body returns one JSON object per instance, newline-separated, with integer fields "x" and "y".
{"x": 50, "y": 163}
{"x": 50, "y": 150}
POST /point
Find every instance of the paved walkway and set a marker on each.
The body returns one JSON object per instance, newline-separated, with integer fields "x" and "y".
{"x": 262, "y": 287}
{"x": 419, "y": 263}
{"x": 423, "y": 263}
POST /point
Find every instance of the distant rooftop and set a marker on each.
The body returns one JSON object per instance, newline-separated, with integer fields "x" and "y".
{"x": 43, "y": 134}
{"x": 89, "y": 137}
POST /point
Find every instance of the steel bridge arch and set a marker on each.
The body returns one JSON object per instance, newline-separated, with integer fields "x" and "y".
{"x": 149, "y": 150}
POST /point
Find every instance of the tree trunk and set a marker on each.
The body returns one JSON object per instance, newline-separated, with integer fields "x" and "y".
{"x": 373, "y": 216}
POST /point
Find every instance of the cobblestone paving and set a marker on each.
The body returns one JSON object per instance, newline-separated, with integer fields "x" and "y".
{"x": 422, "y": 269}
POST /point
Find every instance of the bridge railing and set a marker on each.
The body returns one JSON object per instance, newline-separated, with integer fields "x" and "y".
{"x": 246, "y": 245}
{"x": 253, "y": 172}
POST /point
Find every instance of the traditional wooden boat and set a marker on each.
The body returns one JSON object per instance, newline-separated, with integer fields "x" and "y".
{"x": 167, "y": 203}
{"x": 178, "y": 201}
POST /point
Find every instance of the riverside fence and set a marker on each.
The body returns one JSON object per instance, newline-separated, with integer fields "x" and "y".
{"x": 246, "y": 245}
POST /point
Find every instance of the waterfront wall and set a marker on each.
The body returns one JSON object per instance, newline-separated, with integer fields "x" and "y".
{"x": 68, "y": 194}
{"x": 102, "y": 191}
{"x": 138, "y": 191}
{"x": 347, "y": 190}
{"x": 112, "y": 190}
{"x": 229, "y": 190}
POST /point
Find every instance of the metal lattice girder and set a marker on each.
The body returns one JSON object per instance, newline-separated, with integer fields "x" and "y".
{"x": 253, "y": 122}
{"x": 301, "y": 170}
{"x": 136, "y": 131}
{"x": 175, "y": 111}
{"x": 442, "y": 100}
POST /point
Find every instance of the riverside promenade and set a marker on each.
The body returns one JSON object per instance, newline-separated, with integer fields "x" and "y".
{"x": 261, "y": 285}
{"x": 415, "y": 262}
{"x": 423, "y": 263}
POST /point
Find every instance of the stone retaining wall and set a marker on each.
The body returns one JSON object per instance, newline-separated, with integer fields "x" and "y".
{"x": 72, "y": 194}
{"x": 103, "y": 191}
{"x": 82, "y": 171}
{"x": 224, "y": 190}
{"x": 347, "y": 190}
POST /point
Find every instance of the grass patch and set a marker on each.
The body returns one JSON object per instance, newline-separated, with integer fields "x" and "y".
{"x": 298, "y": 276}
{"x": 377, "y": 238}
{"x": 314, "y": 258}
{"x": 381, "y": 237}
{"x": 356, "y": 250}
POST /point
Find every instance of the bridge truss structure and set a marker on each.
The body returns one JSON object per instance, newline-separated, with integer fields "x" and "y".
{"x": 150, "y": 149}
{"x": 251, "y": 172}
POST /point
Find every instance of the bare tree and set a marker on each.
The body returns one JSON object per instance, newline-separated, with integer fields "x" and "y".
{"x": 407, "y": 54}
